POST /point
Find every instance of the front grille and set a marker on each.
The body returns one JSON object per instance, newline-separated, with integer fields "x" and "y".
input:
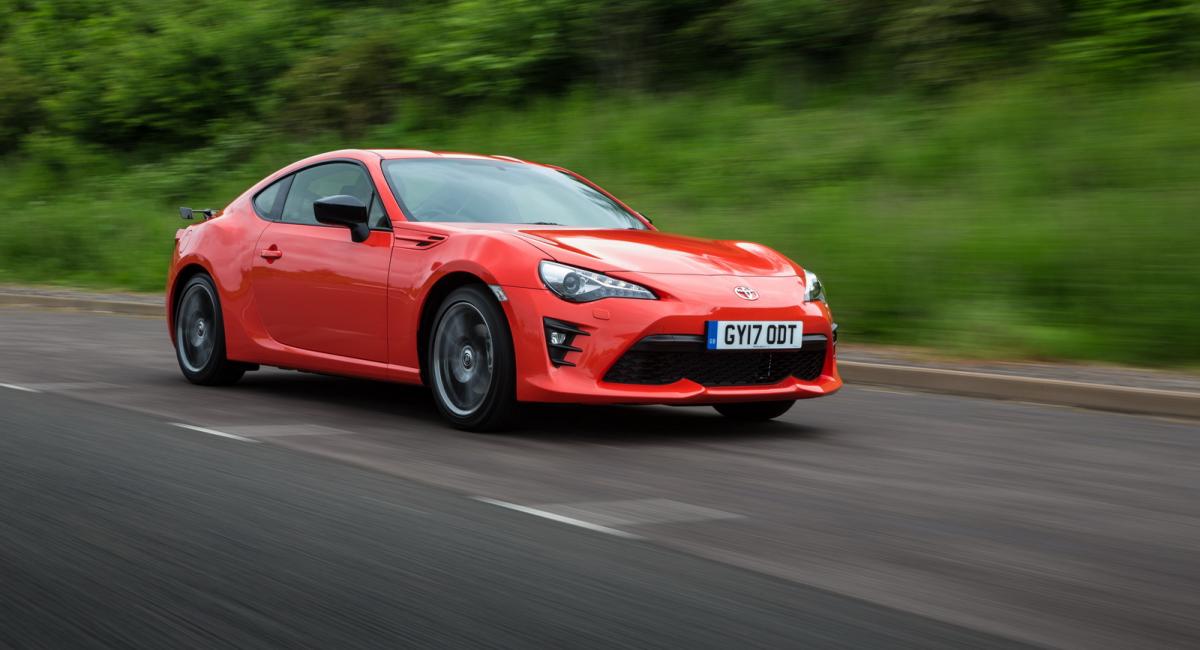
{"x": 651, "y": 363}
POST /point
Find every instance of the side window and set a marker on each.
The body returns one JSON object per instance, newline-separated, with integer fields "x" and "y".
{"x": 321, "y": 181}
{"x": 264, "y": 203}
{"x": 378, "y": 216}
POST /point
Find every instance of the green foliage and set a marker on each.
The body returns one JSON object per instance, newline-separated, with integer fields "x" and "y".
{"x": 133, "y": 72}
{"x": 130, "y": 74}
{"x": 18, "y": 103}
{"x": 941, "y": 42}
{"x": 345, "y": 90}
{"x": 812, "y": 27}
{"x": 1124, "y": 38}
{"x": 491, "y": 48}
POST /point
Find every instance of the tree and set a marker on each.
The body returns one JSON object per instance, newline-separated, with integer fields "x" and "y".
{"x": 1129, "y": 37}
{"x": 941, "y": 42}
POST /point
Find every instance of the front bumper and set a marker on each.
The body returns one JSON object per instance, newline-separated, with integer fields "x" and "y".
{"x": 614, "y": 326}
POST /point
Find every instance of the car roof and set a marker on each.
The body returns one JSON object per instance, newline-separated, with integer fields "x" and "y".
{"x": 391, "y": 154}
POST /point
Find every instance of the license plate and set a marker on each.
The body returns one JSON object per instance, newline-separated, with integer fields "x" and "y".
{"x": 755, "y": 334}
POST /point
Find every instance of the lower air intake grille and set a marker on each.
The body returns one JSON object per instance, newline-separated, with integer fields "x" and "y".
{"x": 652, "y": 364}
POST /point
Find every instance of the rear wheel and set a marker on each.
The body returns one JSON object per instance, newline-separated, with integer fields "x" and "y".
{"x": 472, "y": 367}
{"x": 754, "y": 411}
{"x": 200, "y": 335}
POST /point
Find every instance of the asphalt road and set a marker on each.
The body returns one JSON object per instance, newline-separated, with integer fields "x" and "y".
{"x": 311, "y": 511}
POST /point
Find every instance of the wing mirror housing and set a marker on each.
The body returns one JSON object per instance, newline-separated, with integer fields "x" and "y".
{"x": 343, "y": 210}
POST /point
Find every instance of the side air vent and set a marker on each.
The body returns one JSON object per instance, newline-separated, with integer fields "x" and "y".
{"x": 419, "y": 240}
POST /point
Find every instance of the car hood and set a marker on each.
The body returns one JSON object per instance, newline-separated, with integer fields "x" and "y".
{"x": 653, "y": 252}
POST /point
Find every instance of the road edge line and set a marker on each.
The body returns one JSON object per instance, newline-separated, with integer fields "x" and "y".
{"x": 1101, "y": 397}
{"x": 123, "y": 307}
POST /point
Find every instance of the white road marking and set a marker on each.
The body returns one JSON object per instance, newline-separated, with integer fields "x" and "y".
{"x": 559, "y": 518}
{"x": 20, "y": 388}
{"x": 61, "y": 386}
{"x": 636, "y": 512}
{"x": 258, "y": 431}
{"x": 213, "y": 432}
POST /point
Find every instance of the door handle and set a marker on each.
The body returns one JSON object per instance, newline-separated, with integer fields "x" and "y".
{"x": 271, "y": 253}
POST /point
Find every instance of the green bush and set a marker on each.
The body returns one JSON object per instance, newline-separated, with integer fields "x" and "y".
{"x": 119, "y": 74}
{"x": 491, "y": 48}
{"x": 345, "y": 91}
{"x": 1125, "y": 38}
{"x": 18, "y": 104}
{"x": 943, "y": 42}
{"x": 165, "y": 75}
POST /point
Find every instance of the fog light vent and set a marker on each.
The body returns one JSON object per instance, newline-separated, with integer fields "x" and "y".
{"x": 560, "y": 336}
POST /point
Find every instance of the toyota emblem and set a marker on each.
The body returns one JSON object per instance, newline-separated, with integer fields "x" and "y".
{"x": 746, "y": 293}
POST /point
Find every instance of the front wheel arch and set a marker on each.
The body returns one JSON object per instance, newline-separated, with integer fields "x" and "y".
{"x": 434, "y": 298}
{"x": 499, "y": 406}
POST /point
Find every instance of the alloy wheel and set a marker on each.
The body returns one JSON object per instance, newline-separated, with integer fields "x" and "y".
{"x": 195, "y": 332}
{"x": 463, "y": 359}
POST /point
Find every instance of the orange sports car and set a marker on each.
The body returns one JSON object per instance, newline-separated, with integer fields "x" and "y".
{"x": 493, "y": 281}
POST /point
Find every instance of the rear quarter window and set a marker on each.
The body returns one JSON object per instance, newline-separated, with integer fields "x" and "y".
{"x": 264, "y": 201}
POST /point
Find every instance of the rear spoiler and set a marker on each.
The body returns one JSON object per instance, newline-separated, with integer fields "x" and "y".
{"x": 189, "y": 213}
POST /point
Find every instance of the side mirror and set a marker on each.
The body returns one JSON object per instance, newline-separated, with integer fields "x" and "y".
{"x": 343, "y": 210}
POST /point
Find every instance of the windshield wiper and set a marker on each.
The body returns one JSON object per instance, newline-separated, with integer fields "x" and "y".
{"x": 540, "y": 223}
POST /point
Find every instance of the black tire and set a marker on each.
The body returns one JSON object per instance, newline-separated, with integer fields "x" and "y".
{"x": 472, "y": 369}
{"x": 200, "y": 335}
{"x": 754, "y": 411}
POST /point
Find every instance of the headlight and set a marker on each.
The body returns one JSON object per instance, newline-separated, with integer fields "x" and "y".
{"x": 814, "y": 291}
{"x": 578, "y": 285}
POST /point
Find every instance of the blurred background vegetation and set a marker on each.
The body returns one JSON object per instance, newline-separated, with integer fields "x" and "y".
{"x": 1010, "y": 178}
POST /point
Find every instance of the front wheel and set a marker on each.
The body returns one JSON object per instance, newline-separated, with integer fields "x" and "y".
{"x": 754, "y": 411}
{"x": 200, "y": 336}
{"x": 472, "y": 366}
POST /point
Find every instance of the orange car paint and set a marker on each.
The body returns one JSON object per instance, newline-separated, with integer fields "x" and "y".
{"x": 306, "y": 297}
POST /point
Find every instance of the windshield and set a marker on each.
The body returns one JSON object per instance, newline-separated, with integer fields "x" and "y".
{"x": 494, "y": 191}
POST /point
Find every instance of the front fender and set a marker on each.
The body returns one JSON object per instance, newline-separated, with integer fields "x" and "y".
{"x": 494, "y": 258}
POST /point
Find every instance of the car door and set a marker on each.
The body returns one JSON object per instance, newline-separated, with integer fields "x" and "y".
{"x": 314, "y": 288}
